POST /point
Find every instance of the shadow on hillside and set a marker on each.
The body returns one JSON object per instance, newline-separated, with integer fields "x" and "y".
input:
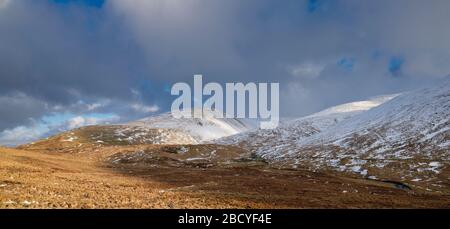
{"x": 256, "y": 185}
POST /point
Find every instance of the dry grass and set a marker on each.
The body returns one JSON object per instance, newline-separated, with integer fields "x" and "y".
{"x": 87, "y": 178}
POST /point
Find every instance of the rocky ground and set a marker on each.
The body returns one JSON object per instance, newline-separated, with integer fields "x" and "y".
{"x": 188, "y": 176}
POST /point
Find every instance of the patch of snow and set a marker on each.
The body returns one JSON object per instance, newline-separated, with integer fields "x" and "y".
{"x": 70, "y": 139}
{"x": 26, "y": 203}
{"x": 195, "y": 159}
{"x": 183, "y": 150}
{"x": 10, "y": 202}
{"x": 203, "y": 129}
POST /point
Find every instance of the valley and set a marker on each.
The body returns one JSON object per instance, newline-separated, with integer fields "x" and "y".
{"x": 386, "y": 152}
{"x": 118, "y": 177}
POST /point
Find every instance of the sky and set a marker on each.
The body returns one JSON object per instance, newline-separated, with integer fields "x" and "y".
{"x": 66, "y": 63}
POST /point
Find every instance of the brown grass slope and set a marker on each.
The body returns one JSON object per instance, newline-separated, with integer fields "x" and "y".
{"x": 173, "y": 176}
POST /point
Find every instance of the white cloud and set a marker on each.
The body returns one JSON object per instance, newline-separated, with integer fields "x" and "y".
{"x": 37, "y": 130}
{"x": 307, "y": 70}
{"x": 21, "y": 134}
{"x": 4, "y": 3}
{"x": 94, "y": 106}
{"x": 189, "y": 32}
{"x": 80, "y": 121}
{"x": 76, "y": 122}
{"x": 138, "y": 107}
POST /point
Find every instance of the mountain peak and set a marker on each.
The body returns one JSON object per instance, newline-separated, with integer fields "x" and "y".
{"x": 202, "y": 129}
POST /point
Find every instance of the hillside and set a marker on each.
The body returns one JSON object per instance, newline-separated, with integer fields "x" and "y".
{"x": 200, "y": 129}
{"x": 160, "y": 130}
{"x": 406, "y": 139}
{"x": 157, "y": 177}
{"x": 285, "y": 137}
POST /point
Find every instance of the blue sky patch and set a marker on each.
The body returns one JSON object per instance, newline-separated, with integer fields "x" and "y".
{"x": 395, "y": 65}
{"x": 346, "y": 63}
{"x": 89, "y": 3}
{"x": 314, "y": 5}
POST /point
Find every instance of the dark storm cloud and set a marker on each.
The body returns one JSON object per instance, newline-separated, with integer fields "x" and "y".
{"x": 391, "y": 46}
{"x": 53, "y": 53}
{"x": 18, "y": 108}
{"x": 122, "y": 56}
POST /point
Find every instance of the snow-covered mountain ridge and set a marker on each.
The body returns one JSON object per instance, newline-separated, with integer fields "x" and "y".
{"x": 405, "y": 138}
{"x": 289, "y": 132}
{"x": 201, "y": 130}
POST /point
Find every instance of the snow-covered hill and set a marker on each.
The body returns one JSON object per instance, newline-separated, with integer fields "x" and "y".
{"x": 159, "y": 130}
{"x": 406, "y": 138}
{"x": 276, "y": 141}
{"x": 200, "y": 129}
